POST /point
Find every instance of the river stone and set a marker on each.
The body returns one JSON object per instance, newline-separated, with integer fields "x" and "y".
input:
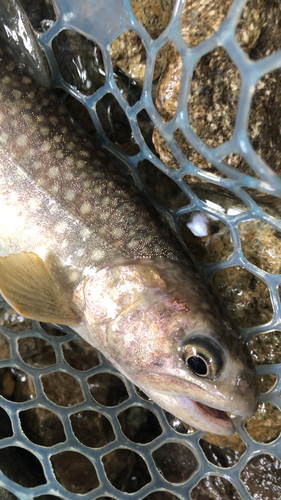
{"x": 215, "y": 86}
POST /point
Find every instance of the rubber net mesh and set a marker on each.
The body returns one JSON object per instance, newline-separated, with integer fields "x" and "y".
{"x": 170, "y": 458}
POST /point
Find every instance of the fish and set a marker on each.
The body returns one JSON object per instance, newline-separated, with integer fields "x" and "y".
{"x": 17, "y": 35}
{"x": 79, "y": 246}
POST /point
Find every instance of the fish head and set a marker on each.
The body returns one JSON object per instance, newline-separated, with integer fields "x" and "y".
{"x": 174, "y": 343}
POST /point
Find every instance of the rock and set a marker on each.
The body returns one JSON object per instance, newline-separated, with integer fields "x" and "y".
{"x": 128, "y": 52}
{"x": 13, "y": 321}
{"x": 5, "y": 350}
{"x": 262, "y": 477}
{"x": 215, "y": 87}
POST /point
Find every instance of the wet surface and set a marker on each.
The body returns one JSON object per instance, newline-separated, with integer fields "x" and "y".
{"x": 244, "y": 295}
{"x": 126, "y": 470}
{"x": 75, "y": 472}
{"x": 175, "y": 462}
{"x": 262, "y": 477}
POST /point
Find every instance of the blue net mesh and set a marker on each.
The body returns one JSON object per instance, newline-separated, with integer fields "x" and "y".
{"x": 103, "y": 23}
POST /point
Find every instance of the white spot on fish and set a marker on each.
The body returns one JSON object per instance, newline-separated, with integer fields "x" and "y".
{"x": 133, "y": 244}
{"x": 59, "y": 154}
{"x": 17, "y": 94}
{"x": 10, "y": 66}
{"x": 105, "y": 201}
{"x": 85, "y": 208}
{"x": 118, "y": 232}
{"x": 22, "y": 140}
{"x": 4, "y": 137}
{"x": 70, "y": 195}
{"x": 27, "y": 119}
{"x": 37, "y": 164}
{"x": 104, "y": 216}
{"x": 87, "y": 184}
{"x": 80, "y": 164}
{"x": 41, "y": 181}
{"x": 61, "y": 227}
{"x": 85, "y": 233}
{"x": 98, "y": 254}
{"x": 70, "y": 146}
{"x": 53, "y": 119}
{"x": 68, "y": 176}
{"x": 46, "y": 146}
{"x": 53, "y": 172}
{"x": 30, "y": 152}
{"x": 26, "y": 80}
{"x": 44, "y": 130}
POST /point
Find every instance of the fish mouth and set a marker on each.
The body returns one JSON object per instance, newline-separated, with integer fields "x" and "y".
{"x": 197, "y": 414}
{"x": 216, "y": 417}
{"x": 207, "y": 418}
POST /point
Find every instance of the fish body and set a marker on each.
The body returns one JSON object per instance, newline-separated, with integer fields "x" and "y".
{"x": 79, "y": 246}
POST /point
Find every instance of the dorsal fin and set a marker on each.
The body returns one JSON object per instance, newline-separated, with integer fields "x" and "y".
{"x": 32, "y": 288}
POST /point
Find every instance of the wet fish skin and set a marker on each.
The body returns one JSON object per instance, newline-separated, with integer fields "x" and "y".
{"x": 79, "y": 246}
{"x": 16, "y": 33}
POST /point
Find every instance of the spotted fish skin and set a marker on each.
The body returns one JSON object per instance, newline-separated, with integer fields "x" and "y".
{"x": 79, "y": 246}
{"x": 37, "y": 136}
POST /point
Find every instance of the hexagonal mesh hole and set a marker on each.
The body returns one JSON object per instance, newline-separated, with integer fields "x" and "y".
{"x": 42, "y": 426}
{"x": 266, "y": 485}
{"x": 16, "y": 385}
{"x": 42, "y": 16}
{"x": 36, "y": 352}
{"x": 206, "y": 236}
{"x": 116, "y": 125}
{"x": 80, "y": 355}
{"x": 75, "y": 472}
{"x": 62, "y": 389}
{"x": 175, "y": 462}
{"x": 126, "y": 470}
{"x": 21, "y": 466}
{"x": 139, "y": 425}
{"x": 107, "y": 389}
{"x": 79, "y": 61}
{"x": 92, "y": 429}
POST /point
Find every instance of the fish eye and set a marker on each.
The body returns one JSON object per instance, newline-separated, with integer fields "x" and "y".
{"x": 203, "y": 356}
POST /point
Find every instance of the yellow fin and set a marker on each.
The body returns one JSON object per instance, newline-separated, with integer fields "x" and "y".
{"x": 35, "y": 291}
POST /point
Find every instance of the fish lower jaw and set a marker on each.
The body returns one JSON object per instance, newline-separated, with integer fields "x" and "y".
{"x": 217, "y": 417}
{"x": 199, "y": 415}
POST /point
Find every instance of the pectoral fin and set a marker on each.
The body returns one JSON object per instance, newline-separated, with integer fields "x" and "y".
{"x": 32, "y": 288}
